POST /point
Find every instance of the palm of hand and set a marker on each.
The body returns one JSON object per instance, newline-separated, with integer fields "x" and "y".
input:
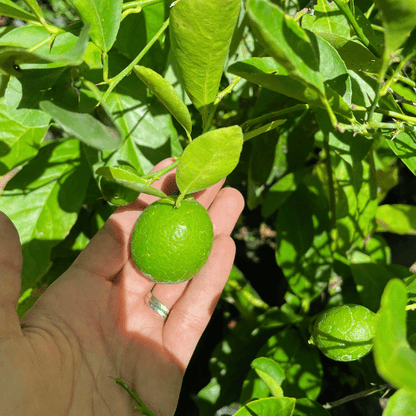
{"x": 94, "y": 323}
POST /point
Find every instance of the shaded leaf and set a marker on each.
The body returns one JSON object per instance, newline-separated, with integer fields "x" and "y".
{"x": 300, "y": 362}
{"x": 308, "y": 407}
{"x": 399, "y": 19}
{"x": 303, "y": 241}
{"x": 84, "y": 127}
{"x": 43, "y": 201}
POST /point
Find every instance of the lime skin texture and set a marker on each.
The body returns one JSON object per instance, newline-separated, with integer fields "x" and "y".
{"x": 171, "y": 244}
{"x": 344, "y": 333}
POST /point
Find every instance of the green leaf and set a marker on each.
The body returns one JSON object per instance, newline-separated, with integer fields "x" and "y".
{"x": 104, "y": 17}
{"x": 286, "y": 42}
{"x": 327, "y": 18}
{"x": 308, "y": 407}
{"x": 270, "y": 406}
{"x": 148, "y": 133}
{"x": 231, "y": 359}
{"x": 68, "y": 50}
{"x": 281, "y": 191}
{"x": 209, "y": 158}
{"x": 84, "y": 127}
{"x": 403, "y": 403}
{"x": 404, "y": 146}
{"x": 43, "y": 201}
{"x": 9, "y": 9}
{"x": 167, "y": 95}
{"x": 271, "y": 373}
{"x": 303, "y": 241}
{"x": 396, "y": 218}
{"x": 399, "y": 19}
{"x": 394, "y": 359}
{"x": 301, "y": 364}
{"x": 18, "y": 143}
{"x": 200, "y": 34}
{"x": 370, "y": 279}
{"x": 129, "y": 180}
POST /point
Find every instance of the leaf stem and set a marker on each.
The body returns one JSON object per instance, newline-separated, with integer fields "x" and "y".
{"x": 393, "y": 114}
{"x": 346, "y": 10}
{"x": 157, "y": 175}
{"x": 126, "y": 71}
{"x": 33, "y": 5}
{"x": 139, "y": 3}
{"x": 217, "y": 101}
{"x": 356, "y": 396}
{"x": 258, "y": 303}
{"x": 411, "y": 307}
{"x": 331, "y": 186}
{"x": 275, "y": 114}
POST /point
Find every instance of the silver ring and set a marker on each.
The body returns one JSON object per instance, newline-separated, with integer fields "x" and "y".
{"x": 159, "y": 307}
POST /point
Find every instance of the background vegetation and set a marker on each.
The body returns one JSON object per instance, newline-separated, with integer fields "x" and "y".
{"x": 325, "y": 95}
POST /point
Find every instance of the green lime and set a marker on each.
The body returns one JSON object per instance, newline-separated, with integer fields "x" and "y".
{"x": 344, "y": 333}
{"x": 117, "y": 194}
{"x": 171, "y": 244}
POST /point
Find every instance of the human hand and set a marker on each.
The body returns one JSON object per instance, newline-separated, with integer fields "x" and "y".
{"x": 94, "y": 323}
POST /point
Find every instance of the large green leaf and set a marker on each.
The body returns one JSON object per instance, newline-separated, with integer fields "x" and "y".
{"x": 209, "y": 158}
{"x": 286, "y": 42}
{"x": 402, "y": 403}
{"x": 18, "y": 143}
{"x": 104, "y": 17}
{"x": 303, "y": 239}
{"x": 43, "y": 201}
{"x": 200, "y": 34}
{"x": 272, "y": 406}
{"x": 394, "y": 359}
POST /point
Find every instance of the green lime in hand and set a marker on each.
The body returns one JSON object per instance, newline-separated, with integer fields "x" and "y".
{"x": 344, "y": 333}
{"x": 117, "y": 194}
{"x": 171, "y": 244}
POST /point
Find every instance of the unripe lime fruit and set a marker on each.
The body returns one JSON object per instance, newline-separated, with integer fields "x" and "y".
{"x": 344, "y": 333}
{"x": 171, "y": 244}
{"x": 117, "y": 194}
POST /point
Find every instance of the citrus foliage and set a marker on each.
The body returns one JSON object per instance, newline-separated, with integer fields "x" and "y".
{"x": 308, "y": 110}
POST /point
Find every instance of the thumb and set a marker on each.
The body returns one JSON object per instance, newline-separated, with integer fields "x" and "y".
{"x": 11, "y": 260}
